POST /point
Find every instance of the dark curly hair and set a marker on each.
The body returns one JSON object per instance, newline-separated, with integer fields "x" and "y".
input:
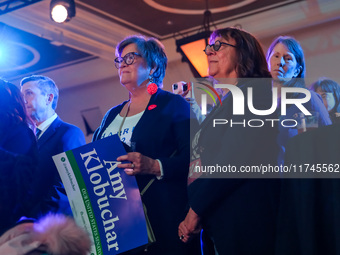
{"x": 251, "y": 61}
{"x": 12, "y": 106}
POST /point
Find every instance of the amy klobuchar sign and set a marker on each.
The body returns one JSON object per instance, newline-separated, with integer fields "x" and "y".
{"x": 104, "y": 200}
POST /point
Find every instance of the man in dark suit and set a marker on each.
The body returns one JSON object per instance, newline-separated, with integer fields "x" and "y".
{"x": 53, "y": 137}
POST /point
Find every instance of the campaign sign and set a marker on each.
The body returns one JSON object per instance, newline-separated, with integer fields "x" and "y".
{"x": 104, "y": 200}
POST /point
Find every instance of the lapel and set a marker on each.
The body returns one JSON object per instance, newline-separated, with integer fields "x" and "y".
{"x": 110, "y": 116}
{"x": 49, "y": 132}
{"x": 150, "y": 115}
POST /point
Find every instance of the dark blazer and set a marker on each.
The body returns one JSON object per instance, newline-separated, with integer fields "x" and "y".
{"x": 239, "y": 214}
{"x": 18, "y": 160}
{"x": 309, "y": 221}
{"x": 162, "y": 131}
{"x": 59, "y": 137}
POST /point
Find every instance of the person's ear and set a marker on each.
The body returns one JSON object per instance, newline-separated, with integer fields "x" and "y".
{"x": 50, "y": 98}
{"x": 297, "y": 71}
{"x": 152, "y": 70}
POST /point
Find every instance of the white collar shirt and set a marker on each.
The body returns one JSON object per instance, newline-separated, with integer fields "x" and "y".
{"x": 45, "y": 125}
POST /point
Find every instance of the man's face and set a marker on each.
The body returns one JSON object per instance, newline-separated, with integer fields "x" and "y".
{"x": 35, "y": 101}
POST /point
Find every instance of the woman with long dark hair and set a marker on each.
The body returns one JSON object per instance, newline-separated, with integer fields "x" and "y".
{"x": 18, "y": 156}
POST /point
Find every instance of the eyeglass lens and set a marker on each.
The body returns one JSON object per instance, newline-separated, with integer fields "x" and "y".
{"x": 216, "y": 46}
{"x": 128, "y": 59}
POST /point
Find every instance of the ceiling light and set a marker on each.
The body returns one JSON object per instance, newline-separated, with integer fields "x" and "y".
{"x": 191, "y": 48}
{"x": 62, "y": 10}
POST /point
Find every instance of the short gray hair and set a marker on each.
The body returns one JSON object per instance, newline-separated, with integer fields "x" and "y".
{"x": 152, "y": 50}
{"x": 46, "y": 85}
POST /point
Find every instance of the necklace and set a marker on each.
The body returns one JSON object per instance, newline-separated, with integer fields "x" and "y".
{"x": 121, "y": 124}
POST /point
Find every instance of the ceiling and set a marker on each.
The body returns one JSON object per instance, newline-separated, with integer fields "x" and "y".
{"x": 166, "y": 18}
{"x": 30, "y": 43}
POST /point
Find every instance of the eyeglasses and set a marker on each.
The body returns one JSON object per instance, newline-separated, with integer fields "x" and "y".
{"x": 184, "y": 86}
{"x": 328, "y": 95}
{"x": 216, "y": 46}
{"x": 129, "y": 58}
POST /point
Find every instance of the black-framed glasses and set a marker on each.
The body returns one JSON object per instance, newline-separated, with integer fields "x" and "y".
{"x": 216, "y": 46}
{"x": 129, "y": 58}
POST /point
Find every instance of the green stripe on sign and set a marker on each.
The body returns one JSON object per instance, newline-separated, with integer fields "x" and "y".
{"x": 87, "y": 202}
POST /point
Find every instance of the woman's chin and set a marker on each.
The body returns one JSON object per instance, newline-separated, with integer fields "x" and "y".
{"x": 281, "y": 79}
{"x": 124, "y": 82}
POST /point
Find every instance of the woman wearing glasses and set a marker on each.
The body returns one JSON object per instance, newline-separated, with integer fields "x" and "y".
{"x": 237, "y": 212}
{"x": 155, "y": 124}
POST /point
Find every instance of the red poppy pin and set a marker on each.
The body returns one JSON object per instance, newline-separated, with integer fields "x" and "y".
{"x": 152, "y": 106}
{"x": 152, "y": 88}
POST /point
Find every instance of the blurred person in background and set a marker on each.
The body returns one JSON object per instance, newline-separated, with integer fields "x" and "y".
{"x": 18, "y": 156}
{"x": 329, "y": 90}
{"x": 307, "y": 205}
{"x": 54, "y": 136}
{"x": 184, "y": 89}
{"x": 286, "y": 63}
{"x": 52, "y": 234}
